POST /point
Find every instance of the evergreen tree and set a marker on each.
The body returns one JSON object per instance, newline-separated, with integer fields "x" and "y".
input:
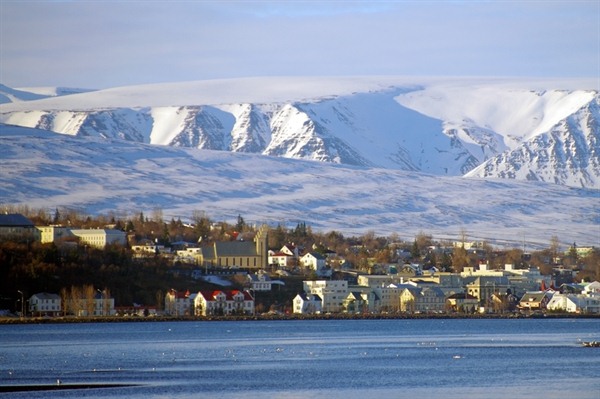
{"x": 240, "y": 224}
{"x": 56, "y": 219}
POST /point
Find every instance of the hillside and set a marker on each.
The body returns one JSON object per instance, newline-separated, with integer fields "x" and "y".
{"x": 46, "y": 170}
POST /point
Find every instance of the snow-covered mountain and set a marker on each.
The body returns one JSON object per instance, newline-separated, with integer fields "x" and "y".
{"x": 501, "y": 128}
{"x": 10, "y": 95}
{"x": 45, "y": 170}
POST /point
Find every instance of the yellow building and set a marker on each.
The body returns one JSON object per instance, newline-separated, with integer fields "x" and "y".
{"x": 238, "y": 254}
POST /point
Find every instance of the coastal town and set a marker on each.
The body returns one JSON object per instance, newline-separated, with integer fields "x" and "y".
{"x": 243, "y": 274}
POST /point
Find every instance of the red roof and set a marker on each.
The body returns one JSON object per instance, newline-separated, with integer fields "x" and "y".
{"x": 229, "y": 294}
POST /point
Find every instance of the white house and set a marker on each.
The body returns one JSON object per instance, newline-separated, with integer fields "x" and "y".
{"x": 592, "y": 289}
{"x": 332, "y": 293}
{"x": 104, "y": 305}
{"x": 260, "y": 281}
{"x": 189, "y": 255}
{"x": 573, "y": 303}
{"x": 149, "y": 250}
{"x": 281, "y": 259}
{"x": 45, "y": 304}
{"x": 307, "y": 304}
{"x": 178, "y": 303}
{"x": 100, "y": 305}
{"x": 291, "y": 250}
{"x": 313, "y": 261}
{"x": 219, "y": 303}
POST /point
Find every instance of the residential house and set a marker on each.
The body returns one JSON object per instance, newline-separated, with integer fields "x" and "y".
{"x": 260, "y": 281}
{"x": 178, "y": 303}
{"x": 535, "y": 300}
{"x": 291, "y": 250}
{"x": 149, "y": 249}
{"x": 332, "y": 293}
{"x": 220, "y": 303}
{"x": 100, "y": 304}
{"x": 104, "y": 304}
{"x": 307, "y": 304}
{"x": 573, "y": 303}
{"x": 591, "y": 289}
{"x": 189, "y": 255}
{"x": 313, "y": 261}
{"x": 281, "y": 260}
{"x": 45, "y": 304}
{"x": 356, "y": 302}
{"x": 408, "y": 270}
{"x": 462, "y": 302}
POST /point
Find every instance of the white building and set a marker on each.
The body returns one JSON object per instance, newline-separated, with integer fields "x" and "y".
{"x": 178, "y": 303}
{"x": 221, "y": 303}
{"x": 104, "y": 305}
{"x": 149, "y": 250}
{"x": 52, "y": 233}
{"x": 100, "y": 305}
{"x": 573, "y": 303}
{"x": 281, "y": 260}
{"x": 100, "y": 238}
{"x": 332, "y": 292}
{"x": 45, "y": 304}
{"x": 307, "y": 304}
{"x": 313, "y": 261}
{"x": 592, "y": 289}
{"x": 260, "y": 281}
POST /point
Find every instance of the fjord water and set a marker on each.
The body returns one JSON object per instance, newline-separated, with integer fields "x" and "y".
{"x": 429, "y": 358}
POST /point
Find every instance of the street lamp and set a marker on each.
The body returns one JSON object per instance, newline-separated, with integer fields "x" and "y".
{"x": 22, "y": 302}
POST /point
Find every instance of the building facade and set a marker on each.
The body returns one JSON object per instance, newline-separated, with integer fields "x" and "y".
{"x": 45, "y": 304}
{"x": 332, "y": 292}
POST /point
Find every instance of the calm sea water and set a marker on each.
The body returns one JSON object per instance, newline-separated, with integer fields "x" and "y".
{"x": 307, "y": 359}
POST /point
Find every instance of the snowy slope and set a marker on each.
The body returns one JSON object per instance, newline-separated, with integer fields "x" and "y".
{"x": 47, "y": 170}
{"x": 568, "y": 152}
{"x": 9, "y": 95}
{"x": 446, "y": 127}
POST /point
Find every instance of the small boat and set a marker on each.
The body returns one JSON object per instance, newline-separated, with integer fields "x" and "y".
{"x": 591, "y": 344}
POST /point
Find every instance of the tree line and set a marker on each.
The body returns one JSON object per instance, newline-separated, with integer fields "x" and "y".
{"x": 53, "y": 267}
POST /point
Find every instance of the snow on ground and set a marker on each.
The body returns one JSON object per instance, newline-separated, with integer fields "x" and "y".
{"x": 508, "y": 111}
{"x": 217, "y": 281}
{"x": 44, "y": 170}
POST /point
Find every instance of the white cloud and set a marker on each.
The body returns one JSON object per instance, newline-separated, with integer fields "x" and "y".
{"x": 103, "y": 44}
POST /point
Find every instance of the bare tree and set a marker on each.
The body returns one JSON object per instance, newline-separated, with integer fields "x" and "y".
{"x": 106, "y": 302}
{"x": 76, "y": 300}
{"x": 160, "y": 300}
{"x": 65, "y": 300}
{"x": 89, "y": 294}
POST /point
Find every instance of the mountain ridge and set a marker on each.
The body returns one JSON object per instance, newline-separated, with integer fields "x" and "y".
{"x": 432, "y": 125}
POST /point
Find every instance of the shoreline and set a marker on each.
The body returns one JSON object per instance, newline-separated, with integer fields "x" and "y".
{"x": 285, "y": 317}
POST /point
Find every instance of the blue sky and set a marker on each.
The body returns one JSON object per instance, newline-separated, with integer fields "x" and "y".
{"x": 100, "y": 44}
